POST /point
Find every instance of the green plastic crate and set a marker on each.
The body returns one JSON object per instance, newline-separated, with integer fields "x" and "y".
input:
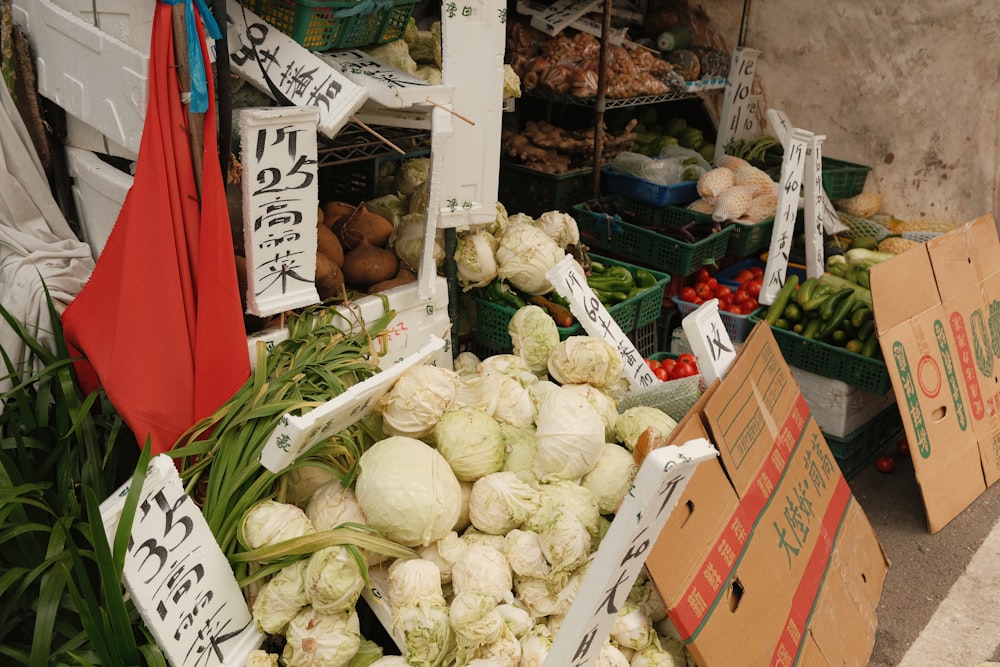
{"x": 647, "y": 247}
{"x": 843, "y": 179}
{"x": 855, "y": 451}
{"x": 319, "y": 25}
{"x": 656, "y": 216}
{"x": 636, "y": 315}
{"x": 532, "y": 192}
{"x": 746, "y": 240}
{"x": 828, "y": 360}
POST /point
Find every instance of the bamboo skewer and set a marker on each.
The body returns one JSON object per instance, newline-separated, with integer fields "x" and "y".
{"x": 378, "y": 136}
{"x": 449, "y": 110}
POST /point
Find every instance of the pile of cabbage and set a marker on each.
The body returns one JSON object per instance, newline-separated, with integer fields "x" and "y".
{"x": 502, "y": 476}
{"x": 518, "y": 249}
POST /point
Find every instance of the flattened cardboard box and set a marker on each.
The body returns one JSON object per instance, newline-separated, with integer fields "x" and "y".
{"x": 767, "y": 559}
{"x": 937, "y": 315}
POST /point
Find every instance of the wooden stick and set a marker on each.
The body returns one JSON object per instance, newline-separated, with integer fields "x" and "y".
{"x": 637, "y": 45}
{"x": 378, "y": 136}
{"x": 196, "y": 121}
{"x": 449, "y": 110}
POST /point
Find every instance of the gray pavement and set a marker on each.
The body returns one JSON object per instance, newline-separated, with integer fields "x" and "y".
{"x": 941, "y": 602}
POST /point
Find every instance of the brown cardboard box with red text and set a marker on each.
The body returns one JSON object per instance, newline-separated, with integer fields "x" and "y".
{"x": 767, "y": 558}
{"x": 937, "y": 313}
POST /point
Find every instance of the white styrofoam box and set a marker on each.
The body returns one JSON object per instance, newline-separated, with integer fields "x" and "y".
{"x": 128, "y": 21}
{"x": 99, "y": 191}
{"x": 81, "y": 135}
{"x": 415, "y": 320}
{"x": 839, "y": 408}
{"x": 92, "y": 75}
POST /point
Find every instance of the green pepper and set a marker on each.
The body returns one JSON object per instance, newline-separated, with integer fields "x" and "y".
{"x": 609, "y": 298}
{"x": 597, "y": 267}
{"x": 644, "y": 278}
{"x": 556, "y": 297}
{"x": 614, "y": 279}
{"x": 498, "y": 292}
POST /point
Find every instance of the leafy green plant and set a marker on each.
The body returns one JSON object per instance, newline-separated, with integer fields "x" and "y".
{"x": 61, "y": 453}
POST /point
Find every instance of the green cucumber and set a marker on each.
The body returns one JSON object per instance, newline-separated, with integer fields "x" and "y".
{"x": 781, "y": 300}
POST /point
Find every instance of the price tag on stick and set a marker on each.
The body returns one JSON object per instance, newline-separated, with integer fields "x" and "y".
{"x": 177, "y": 576}
{"x": 815, "y": 211}
{"x": 792, "y": 170}
{"x": 644, "y": 511}
{"x": 740, "y": 109}
{"x": 568, "y": 279}
{"x": 782, "y": 128}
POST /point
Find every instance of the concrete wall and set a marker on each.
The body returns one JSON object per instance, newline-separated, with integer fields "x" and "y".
{"x": 909, "y": 87}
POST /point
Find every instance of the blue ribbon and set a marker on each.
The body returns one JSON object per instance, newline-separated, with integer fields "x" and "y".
{"x": 199, "y": 82}
{"x": 364, "y": 7}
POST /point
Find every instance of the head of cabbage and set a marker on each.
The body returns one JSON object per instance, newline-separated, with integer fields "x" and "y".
{"x": 533, "y": 335}
{"x": 471, "y": 442}
{"x": 415, "y": 403}
{"x": 475, "y": 259}
{"x": 407, "y": 490}
{"x": 586, "y": 360}
{"x": 524, "y": 255}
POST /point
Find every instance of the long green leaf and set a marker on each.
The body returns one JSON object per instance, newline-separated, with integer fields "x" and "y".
{"x": 127, "y": 519}
{"x": 53, "y": 582}
{"x": 114, "y": 610}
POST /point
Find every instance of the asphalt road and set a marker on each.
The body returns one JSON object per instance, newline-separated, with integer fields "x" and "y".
{"x": 941, "y": 602}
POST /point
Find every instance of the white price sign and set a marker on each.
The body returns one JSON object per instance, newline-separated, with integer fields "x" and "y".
{"x": 264, "y": 56}
{"x": 386, "y": 85}
{"x": 568, "y": 279}
{"x": 789, "y": 187}
{"x": 814, "y": 207}
{"x": 825, "y": 210}
{"x": 280, "y": 199}
{"x": 740, "y": 108}
{"x": 294, "y": 434}
{"x": 177, "y": 576}
{"x": 616, "y": 565}
{"x": 709, "y": 340}
{"x": 561, "y": 14}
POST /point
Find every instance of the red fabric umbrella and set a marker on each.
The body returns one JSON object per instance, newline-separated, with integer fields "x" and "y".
{"x": 159, "y": 323}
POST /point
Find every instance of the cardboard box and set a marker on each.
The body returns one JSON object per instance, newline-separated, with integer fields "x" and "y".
{"x": 767, "y": 559}
{"x": 937, "y": 313}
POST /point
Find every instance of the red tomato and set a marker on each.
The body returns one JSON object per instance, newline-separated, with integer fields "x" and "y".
{"x": 687, "y": 357}
{"x": 740, "y": 296}
{"x": 750, "y": 305}
{"x": 744, "y": 276}
{"x": 722, "y": 292}
{"x": 753, "y": 287}
{"x": 903, "y": 447}
{"x": 712, "y": 283}
{"x": 653, "y": 364}
{"x": 702, "y": 275}
{"x": 682, "y": 369}
{"x": 757, "y": 270}
{"x": 661, "y": 374}
{"x": 698, "y": 301}
{"x": 885, "y": 464}
{"x": 688, "y": 294}
{"x": 668, "y": 365}
{"x": 703, "y": 291}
